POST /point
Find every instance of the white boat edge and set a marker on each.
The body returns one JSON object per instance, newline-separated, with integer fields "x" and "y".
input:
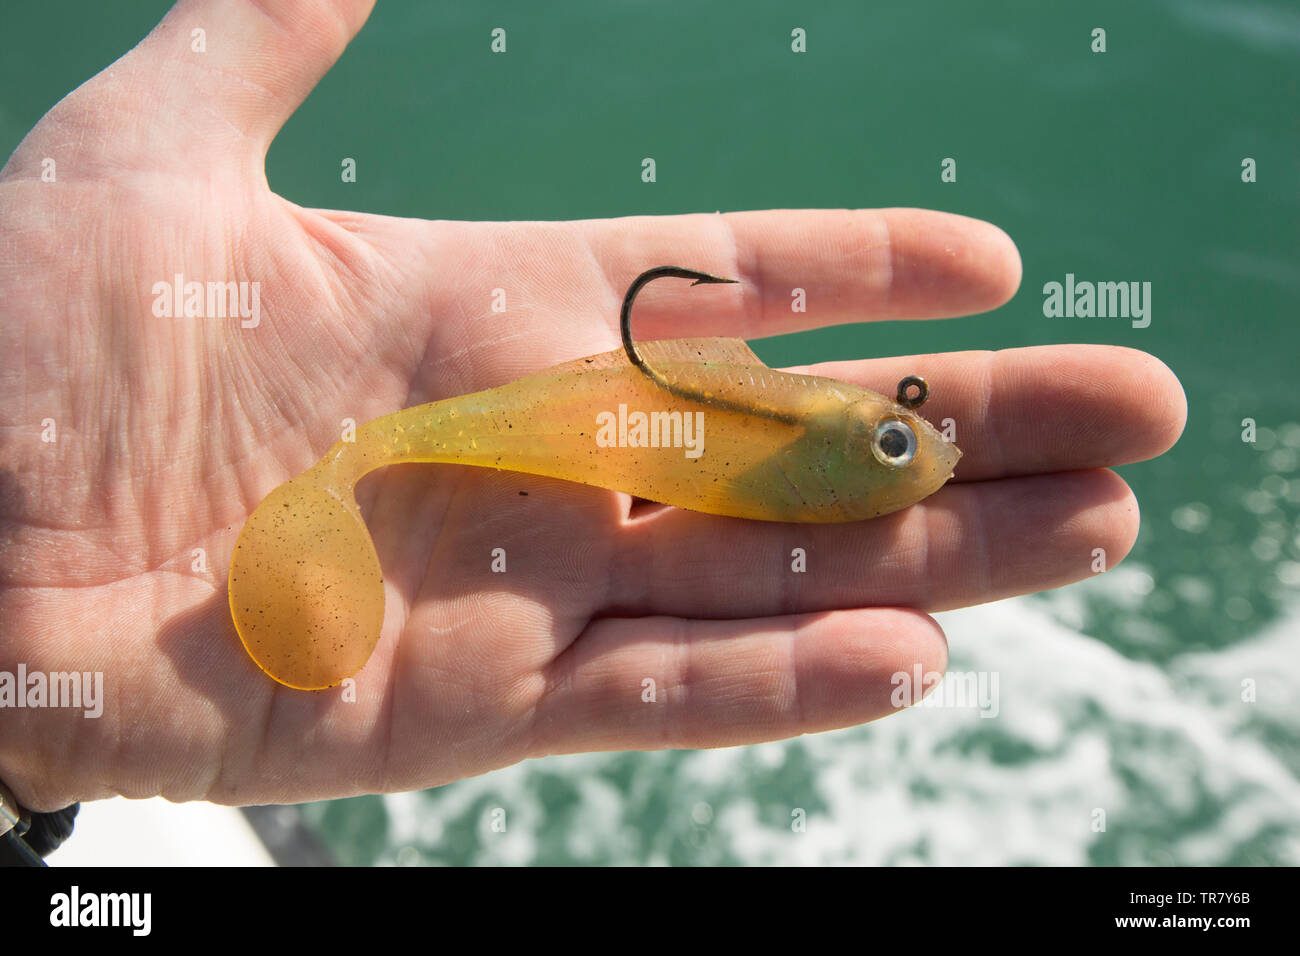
{"x": 156, "y": 832}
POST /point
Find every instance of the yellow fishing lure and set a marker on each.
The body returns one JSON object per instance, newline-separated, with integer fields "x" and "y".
{"x": 700, "y": 424}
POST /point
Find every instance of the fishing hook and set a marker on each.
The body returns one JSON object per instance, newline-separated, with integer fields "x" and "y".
{"x": 625, "y": 316}
{"x": 702, "y": 278}
{"x": 656, "y": 376}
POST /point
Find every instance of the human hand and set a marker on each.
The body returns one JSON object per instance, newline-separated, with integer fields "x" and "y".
{"x": 170, "y": 430}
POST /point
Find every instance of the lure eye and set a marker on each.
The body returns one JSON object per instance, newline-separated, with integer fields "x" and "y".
{"x": 894, "y": 443}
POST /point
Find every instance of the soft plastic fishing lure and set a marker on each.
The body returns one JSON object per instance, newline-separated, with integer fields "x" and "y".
{"x": 701, "y": 424}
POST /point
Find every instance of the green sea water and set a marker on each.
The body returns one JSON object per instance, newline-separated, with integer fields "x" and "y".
{"x": 1122, "y": 693}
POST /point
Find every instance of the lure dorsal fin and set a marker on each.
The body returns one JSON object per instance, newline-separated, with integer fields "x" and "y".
{"x": 731, "y": 351}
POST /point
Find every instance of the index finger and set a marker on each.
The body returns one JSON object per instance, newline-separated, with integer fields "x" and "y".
{"x": 852, "y": 265}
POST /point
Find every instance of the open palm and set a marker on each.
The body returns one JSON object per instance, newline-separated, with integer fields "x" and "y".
{"x": 612, "y": 626}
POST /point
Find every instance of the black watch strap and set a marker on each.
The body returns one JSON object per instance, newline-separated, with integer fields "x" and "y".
{"x": 27, "y": 837}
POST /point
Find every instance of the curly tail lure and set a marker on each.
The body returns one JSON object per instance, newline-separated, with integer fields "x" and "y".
{"x": 710, "y": 429}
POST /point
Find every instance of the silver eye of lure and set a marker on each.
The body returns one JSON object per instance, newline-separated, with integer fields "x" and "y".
{"x": 894, "y": 443}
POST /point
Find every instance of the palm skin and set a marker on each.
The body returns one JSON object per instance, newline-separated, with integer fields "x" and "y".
{"x": 169, "y": 432}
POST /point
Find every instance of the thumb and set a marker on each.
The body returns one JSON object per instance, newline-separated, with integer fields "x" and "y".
{"x": 211, "y": 84}
{"x": 247, "y": 64}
